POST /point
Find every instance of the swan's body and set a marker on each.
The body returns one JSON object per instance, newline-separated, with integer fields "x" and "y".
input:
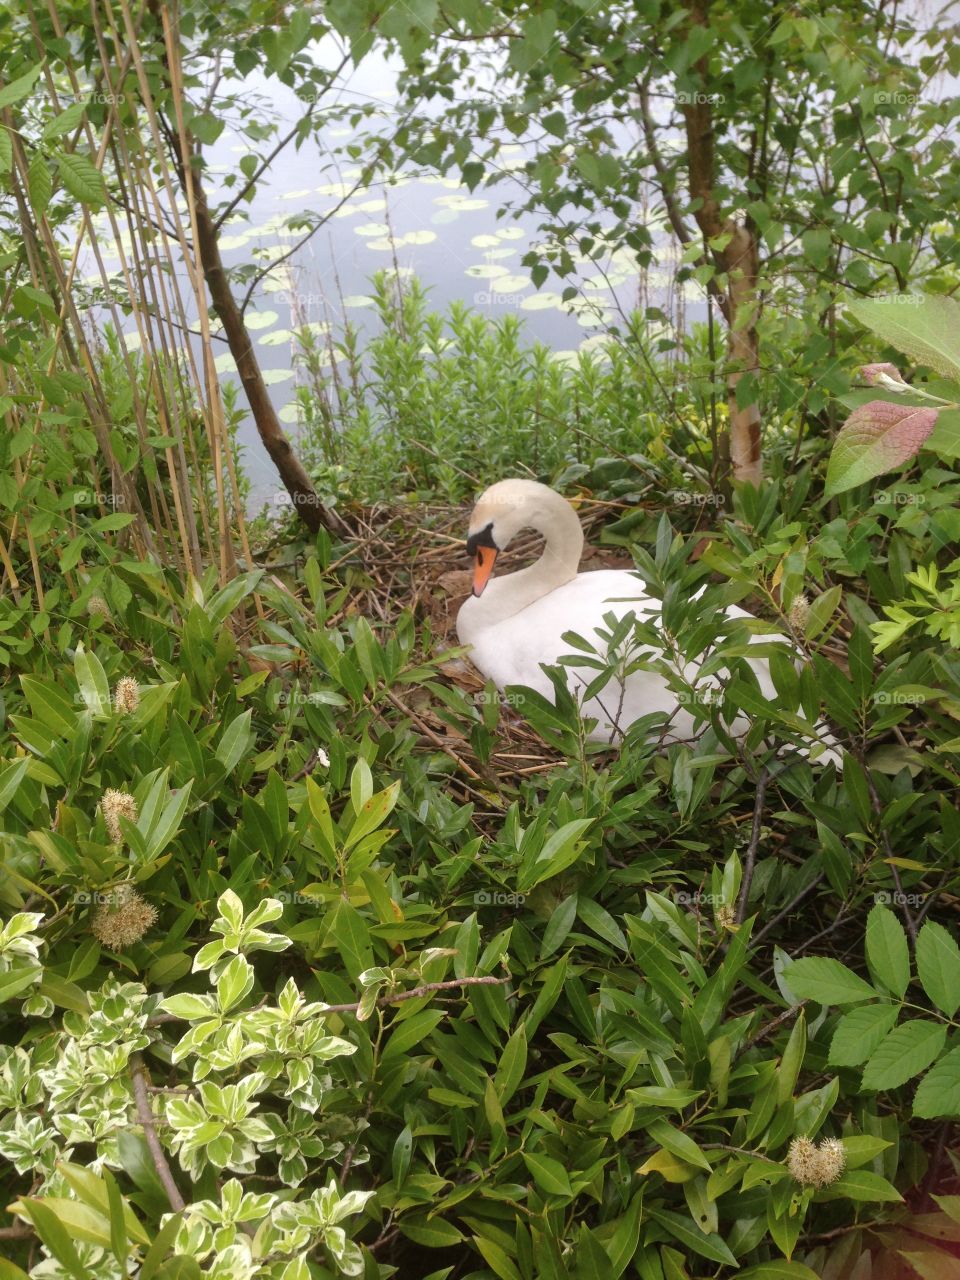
{"x": 514, "y": 624}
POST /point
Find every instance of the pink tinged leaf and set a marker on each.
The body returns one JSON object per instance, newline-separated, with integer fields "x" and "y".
{"x": 874, "y": 373}
{"x": 876, "y": 438}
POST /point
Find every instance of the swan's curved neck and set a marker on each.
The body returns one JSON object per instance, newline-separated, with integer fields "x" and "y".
{"x": 559, "y": 563}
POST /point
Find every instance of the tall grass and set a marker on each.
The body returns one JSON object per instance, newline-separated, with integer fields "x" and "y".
{"x": 441, "y": 402}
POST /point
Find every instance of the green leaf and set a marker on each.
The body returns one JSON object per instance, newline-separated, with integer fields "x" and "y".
{"x": 235, "y": 983}
{"x": 432, "y": 1233}
{"x": 65, "y": 121}
{"x": 686, "y": 1232}
{"x": 162, "y": 1244}
{"x": 235, "y": 742}
{"x": 924, "y": 327}
{"x": 621, "y": 1247}
{"x": 10, "y": 1271}
{"x": 558, "y": 926}
{"x": 348, "y": 931}
{"x": 82, "y": 178}
{"x": 827, "y": 981}
{"x": 780, "y": 1269}
{"x": 18, "y": 89}
{"x": 111, "y": 523}
{"x": 549, "y": 1174}
{"x": 497, "y": 1259}
{"x": 944, "y": 439}
{"x": 227, "y": 598}
{"x": 39, "y": 183}
{"x": 887, "y": 953}
{"x": 862, "y": 1148}
{"x": 51, "y": 706}
{"x": 13, "y": 981}
{"x": 677, "y": 1143}
{"x": 601, "y": 922}
{"x": 938, "y": 1093}
{"x": 63, "y": 993}
{"x": 861, "y": 1184}
{"x": 93, "y": 682}
{"x": 372, "y": 814}
{"x": 118, "y": 1224}
{"x": 906, "y": 1051}
{"x": 10, "y": 779}
{"x": 559, "y": 850}
{"x": 938, "y": 965}
{"x": 859, "y": 1032}
{"x": 168, "y": 824}
{"x": 56, "y": 1237}
{"x": 400, "y": 1160}
{"x": 816, "y": 246}
{"x": 512, "y": 1065}
{"x": 792, "y": 1060}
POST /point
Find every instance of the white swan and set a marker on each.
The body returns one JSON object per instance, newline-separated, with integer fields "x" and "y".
{"x": 515, "y": 623}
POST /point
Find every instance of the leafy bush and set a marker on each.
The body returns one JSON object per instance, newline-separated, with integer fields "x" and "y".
{"x": 554, "y": 1027}
{"x": 444, "y": 404}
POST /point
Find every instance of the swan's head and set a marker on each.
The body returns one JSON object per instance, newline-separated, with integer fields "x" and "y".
{"x": 503, "y": 510}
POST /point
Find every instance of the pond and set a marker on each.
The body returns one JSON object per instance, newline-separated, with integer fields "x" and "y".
{"x": 424, "y": 224}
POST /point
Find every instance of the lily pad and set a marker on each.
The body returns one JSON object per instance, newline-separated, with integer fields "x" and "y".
{"x": 290, "y": 413}
{"x": 486, "y": 271}
{"x": 261, "y": 319}
{"x": 276, "y": 338}
{"x": 233, "y": 242}
{"x": 510, "y": 284}
{"x": 485, "y": 242}
{"x": 225, "y": 363}
{"x": 372, "y": 229}
{"x": 590, "y": 319}
{"x": 418, "y": 237}
{"x": 510, "y": 233}
{"x": 461, "y": 203}
{"x": 272, "y": 376}
{"x": 542, "y": 302}
{"x": 358, "y": 300}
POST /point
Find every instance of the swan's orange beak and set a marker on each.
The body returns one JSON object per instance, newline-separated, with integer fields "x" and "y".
{"x": 482, "y": 568}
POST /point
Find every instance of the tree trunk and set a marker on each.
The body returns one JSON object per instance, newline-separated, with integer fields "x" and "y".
{"x": 298, "y": 484}
{"x": 736, "y": 253}
{"x": 741, "y": 260}
{"x": 314, "y": 514}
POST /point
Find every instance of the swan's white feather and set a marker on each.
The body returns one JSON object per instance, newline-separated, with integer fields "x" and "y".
{"x": 516, "y": 626}
{"x": 514, "y": 650}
